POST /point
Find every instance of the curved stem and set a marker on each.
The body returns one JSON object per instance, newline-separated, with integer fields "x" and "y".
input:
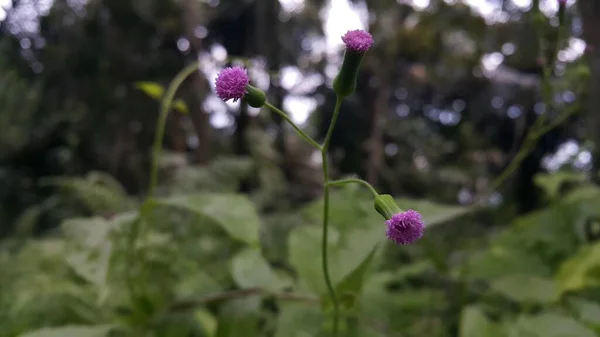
{"x": 137, "y": 226}
{"x": 324, "y": 246}
{"x": 539, "y": 127}
{"x": 165, "y": 107}
{"x": 353, "y": 180}
{"x": 299, "y": 131}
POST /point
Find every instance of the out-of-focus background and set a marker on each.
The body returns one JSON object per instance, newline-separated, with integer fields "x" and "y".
{"x": 451, "y": 93}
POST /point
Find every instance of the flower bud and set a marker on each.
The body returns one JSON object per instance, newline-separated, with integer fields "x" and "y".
{"x": 357, "y": 43}
{"x": 255, "y": 97}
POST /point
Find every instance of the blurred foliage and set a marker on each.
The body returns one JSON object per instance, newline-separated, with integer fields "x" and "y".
{"x": 202, "y": 269}
{"x": 232, "y": 246}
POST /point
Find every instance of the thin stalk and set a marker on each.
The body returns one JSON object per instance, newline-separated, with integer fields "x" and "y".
{"x": 539, "y": 127}
{"x": 299, "y": 131}
{"x": 341, "y": 182}
{"x": 137, "y": 229}
{"x": 165, "y": 107}
{"x": 324, "y": 245}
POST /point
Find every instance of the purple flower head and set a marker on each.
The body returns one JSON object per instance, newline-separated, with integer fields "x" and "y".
{"x": 405, "y": 227}
{"x": 231, "y": 83}
{"x": 562, "y": 2}
{"x": 358, "y": 40}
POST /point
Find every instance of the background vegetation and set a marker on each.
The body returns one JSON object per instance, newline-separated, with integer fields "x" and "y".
{"x": 447, "y": 96}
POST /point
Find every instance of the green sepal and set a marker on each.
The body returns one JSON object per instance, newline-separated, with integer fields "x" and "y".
{"x": 255, "y": 97}
{"x": 386, "y": 206}
{"x": 345, "y": 82}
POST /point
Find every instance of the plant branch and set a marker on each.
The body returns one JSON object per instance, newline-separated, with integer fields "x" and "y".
{"x": 165, "y": 108}
{"x": 353, "y": 180}
{"x": 324, "y": 243}
{"x": 299, "y": 131}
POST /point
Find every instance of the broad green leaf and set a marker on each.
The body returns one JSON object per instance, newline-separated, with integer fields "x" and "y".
{"x": 348, "y": 288}
{"x": 180, "y": 106}
{"x": 207, "y": 321}
{"x": 526, "y": 288}
{"x": 93, "y": 193}
{"x": 71, "y": 331}
{"x": 233, "y": 212}
{"x": 250, "y": 270}
{"x": 151, "y": 89}
{"x": 552, "y": 182}
{"x": 239, "y": 317}
{"x": 474, "y": 323}
{"x": 87, "y": 232}
{"x": 355, "y": 229}
{"x": 346, "y": 252}
{"x": 587, "y": 311}
{"x": 299, "y": 320}
{"x": 499, "y": 261}
{"x": 549, "y": 325}
{"x": 581, "y": 270}
{"x": 434, "y": 213}
{"x": 195, "y": 284}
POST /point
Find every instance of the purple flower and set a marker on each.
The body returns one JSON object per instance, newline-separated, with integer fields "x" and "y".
{"x": 562, "y": 2}
{"x": 231, "y": 83}
{"x": 405, "y": 227}
{"x": 358, "y": 40}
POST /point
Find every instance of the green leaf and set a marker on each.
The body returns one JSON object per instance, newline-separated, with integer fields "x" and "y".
{"x": 580, "y": 271}
{"x": 351, "y": 285}
{"x": 499, "y": 261}
{"x": 151, "y": 89}
{"x": 207, "y": 321}
{"x": 239, "y": 318}
{"x": 71, "y": 331}
{"x": 346, "y": 253}
{"x": 180, "y": 106}
{"x": 250, "y": 270}
{"x": 234, "y": 213}
{"x": 299, "y": 320}
{"x": 552, "y": 182}
{"x": 526, "y": 288}
{"x": 549, "y": 325}
{"x": 434, "y": 213}
{"x": 474, "y": 323}
{"x": 587, "y": 311}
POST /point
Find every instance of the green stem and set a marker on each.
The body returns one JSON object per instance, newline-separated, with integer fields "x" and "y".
{"x": 539, "y": 127}
{"x": 137, "y": 226}
{"x": 165, "y": 108}
{"x": 336, "y": 112}
{"x": 324, "y": 245}
{"x": 299, "y": 131}
{"x": 353, "y": 180}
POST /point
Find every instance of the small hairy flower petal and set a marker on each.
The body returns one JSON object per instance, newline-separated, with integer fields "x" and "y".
{"x": 358, "y": 40}
{"x": 231, "y": 83}
{"x": 405, "y": 228}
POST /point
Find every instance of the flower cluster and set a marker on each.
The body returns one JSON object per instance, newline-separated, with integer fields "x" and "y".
{"x": 403, "y": 227}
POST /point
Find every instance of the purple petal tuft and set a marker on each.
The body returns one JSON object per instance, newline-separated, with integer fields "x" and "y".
{"x": 358, "y": 40}
{"x": 405, "y": 228}
{"x": 231, "y": 83}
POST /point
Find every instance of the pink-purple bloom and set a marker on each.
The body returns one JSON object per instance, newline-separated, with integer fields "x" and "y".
{"x": 405, "y": 227}
{"x": 358, "y": 40}
{"x": 231, "y": 83}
